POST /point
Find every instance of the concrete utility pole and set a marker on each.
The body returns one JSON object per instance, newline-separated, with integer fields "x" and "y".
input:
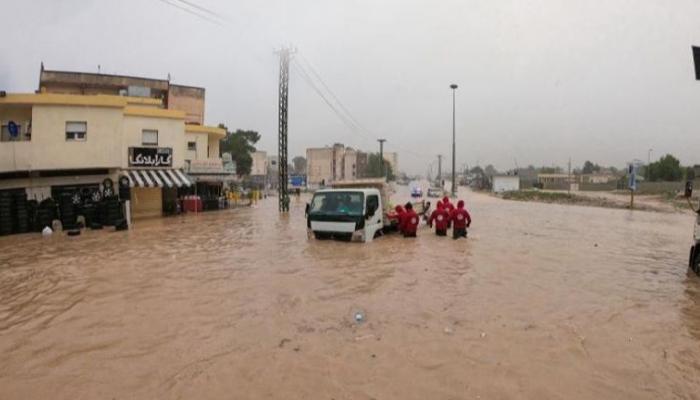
{"x": 381, "y": 156}
{"x": 454, "y": 185}
{"x": 439, "y": 176}
{"x": 569, "y": 177}
{"x": 282, "y": 164}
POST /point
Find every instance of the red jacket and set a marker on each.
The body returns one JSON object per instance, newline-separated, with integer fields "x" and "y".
{"x": 460, "y": 217}
{"x": 441, "y": 217}
{"x": 410, "y": 222}
{"x": 400, "y": 212}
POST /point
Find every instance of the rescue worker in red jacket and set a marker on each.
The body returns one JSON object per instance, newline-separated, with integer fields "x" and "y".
{"x": 449, "y": 207}
{"x": 410, "y": 223}
{"x": 461, "y": 219}
{"x": 447, "y": 204}
{"x": 441, "y": 217}
{"x": 400, "y": 213}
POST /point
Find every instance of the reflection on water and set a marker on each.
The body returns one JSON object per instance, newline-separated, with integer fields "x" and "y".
{"x": 542, "y": 301}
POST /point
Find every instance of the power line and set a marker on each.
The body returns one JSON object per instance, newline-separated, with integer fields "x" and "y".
{"x": 305, "y": 76}
{"x": 192, "y": 12}
{"x": 340, "y": 103}
{"x": 349, "y": 115}
{"x": 203, "y": 9}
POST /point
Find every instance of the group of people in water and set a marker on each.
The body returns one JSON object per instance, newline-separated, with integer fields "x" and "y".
{"x": 445, "y": 216}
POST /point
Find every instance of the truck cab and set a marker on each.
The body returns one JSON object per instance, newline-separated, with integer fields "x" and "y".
{"x": 354, "y": 214}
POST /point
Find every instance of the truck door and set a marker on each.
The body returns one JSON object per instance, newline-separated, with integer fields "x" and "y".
{"x": 373, "y": 223}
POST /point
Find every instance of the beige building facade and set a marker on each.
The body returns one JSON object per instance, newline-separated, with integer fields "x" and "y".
{"x": 55, "y": 141}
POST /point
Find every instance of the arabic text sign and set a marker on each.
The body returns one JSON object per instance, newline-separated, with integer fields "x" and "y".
{"x": 150, "y": 157}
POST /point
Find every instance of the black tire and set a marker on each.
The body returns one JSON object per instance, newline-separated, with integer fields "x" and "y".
{"x": 322, "y": 235}
{"x": 73, "y": 232}
{"x": 690, "y": 257}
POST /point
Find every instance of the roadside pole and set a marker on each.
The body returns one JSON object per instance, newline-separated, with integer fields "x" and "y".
{"x": 632, "y": 184}
{"x": 631, "y": 199}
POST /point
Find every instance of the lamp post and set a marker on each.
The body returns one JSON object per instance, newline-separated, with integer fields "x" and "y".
{"x": 649, "y": 156}
{"x": 454, "y": 186}
{"x": 381, "y": 156}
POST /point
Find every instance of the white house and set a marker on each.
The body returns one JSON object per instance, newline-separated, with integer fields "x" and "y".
{"x": 505, "y": 183}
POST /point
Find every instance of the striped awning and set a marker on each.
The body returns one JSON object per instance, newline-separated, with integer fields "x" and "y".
{"x": 156, "y": 178}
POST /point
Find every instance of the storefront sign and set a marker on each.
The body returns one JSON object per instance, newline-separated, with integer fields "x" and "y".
{"x": 150, "y": 157}
{"x": 209, "y": 166}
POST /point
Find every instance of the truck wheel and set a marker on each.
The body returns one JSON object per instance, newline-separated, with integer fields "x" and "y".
{"x": 690, "y": 258}
{"x": 321, "y": 235}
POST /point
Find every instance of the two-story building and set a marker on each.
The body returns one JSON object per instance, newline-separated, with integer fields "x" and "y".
{"x": 70, "y": 136}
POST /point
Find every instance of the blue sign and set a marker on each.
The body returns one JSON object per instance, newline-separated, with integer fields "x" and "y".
{"x": 13, "y": 129}
{"x": 632, "y": 174}
{"x": 297, "y": 181}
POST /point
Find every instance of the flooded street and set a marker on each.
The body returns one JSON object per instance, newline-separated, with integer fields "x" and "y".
{"x": 542, "y": 301}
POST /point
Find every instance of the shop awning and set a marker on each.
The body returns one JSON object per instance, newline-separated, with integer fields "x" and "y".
{"x": 156, "y": 178}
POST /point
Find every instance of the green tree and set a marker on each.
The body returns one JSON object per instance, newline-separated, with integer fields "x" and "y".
{"x": 668, "y": 168}
{"x": 490, "y": 170}
{"x": 299, "y": 164}
{"x": 374, "y": 167}
{"x": 589, "y": 167}
{"x": 241, "y": 145}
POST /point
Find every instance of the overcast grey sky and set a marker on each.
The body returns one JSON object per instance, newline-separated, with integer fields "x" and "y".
{"x": 539, "y": 80}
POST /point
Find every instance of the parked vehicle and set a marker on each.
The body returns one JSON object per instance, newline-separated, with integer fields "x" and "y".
{"x": 435, "y": 192}
{"x": 694, "y": 258}
{"x": 416, "y": 191}
{"x": 353, "y": 210}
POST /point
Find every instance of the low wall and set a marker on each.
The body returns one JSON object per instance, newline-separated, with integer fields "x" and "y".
{"x": 597, "y": 186}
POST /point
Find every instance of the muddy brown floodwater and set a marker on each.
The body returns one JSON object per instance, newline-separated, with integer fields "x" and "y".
{"x": 542, "y": 301}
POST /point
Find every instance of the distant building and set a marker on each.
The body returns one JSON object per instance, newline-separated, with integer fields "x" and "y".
{"x": 349, "y": 164}
{"x": 362, "y": 164}
{"x": 505, "y": 183}
{"x": 393, "y": 159}
{"x": 597, "y": 178}
{"x": 555, "y": 181}
{"x": 273, "y": 171}
{"x": 319, "y": 165}
{"x": 259, "y": 166}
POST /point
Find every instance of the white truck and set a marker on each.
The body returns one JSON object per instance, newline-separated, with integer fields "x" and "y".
{"x": 351, "y": 210}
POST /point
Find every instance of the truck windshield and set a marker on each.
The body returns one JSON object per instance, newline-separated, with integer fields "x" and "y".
{"x": 344, "y": 203}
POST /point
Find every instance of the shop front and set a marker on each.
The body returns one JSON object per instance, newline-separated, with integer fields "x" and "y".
{"x": 153, "y": 183}
{"x": 213, "y": 179}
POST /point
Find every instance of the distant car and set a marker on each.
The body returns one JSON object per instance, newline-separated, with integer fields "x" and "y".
{"x": 434, "y": 192}
{"x": 416, "y": 191}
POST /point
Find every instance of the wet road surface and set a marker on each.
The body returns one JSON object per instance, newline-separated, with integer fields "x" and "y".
{"x": 542, "y": 301}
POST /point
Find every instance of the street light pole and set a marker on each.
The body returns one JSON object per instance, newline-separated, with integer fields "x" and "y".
{"x": 454, "y": 186}
{"x": 381, "y": 156}
{"x": 649, "y": 156}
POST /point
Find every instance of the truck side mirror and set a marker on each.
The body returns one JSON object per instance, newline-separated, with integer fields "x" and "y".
{"x": 688, "y": 189}
{"x": 306, "y": 211}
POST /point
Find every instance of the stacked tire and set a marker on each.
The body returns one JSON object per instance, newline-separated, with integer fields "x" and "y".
{"x": 88, "y": 211}
{"x": 67, "y": 210}
{"x": 5, "y": 214}
{"x": 112, "y": 209}
{"x": 45, "y": 214}
{"x": 21, "y": 213}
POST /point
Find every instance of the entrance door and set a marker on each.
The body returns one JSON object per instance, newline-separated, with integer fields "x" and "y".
{"x": 146, "y": 202}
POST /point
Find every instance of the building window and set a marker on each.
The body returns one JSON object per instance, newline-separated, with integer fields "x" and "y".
{"x": 11, "y": 131}
{"x": 149, "y": 137}
{"x": 76, "y": 131}
{"x": 192, "y": 146}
